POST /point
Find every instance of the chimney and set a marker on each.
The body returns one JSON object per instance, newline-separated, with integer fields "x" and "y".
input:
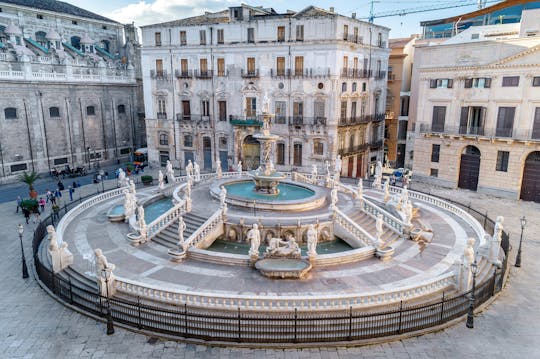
{"x": 331, "y": 9}
{"x": 353, "y": 15}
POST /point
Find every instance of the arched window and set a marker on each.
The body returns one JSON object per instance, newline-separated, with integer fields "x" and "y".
{"x": 344, "y": 87}
{"x": 54, "y": 112}
{"x": 164, "y": 139}
{"x": 121, "y": 108}
{"x": 76, "y": 42}
{"x": 10, "y": 113}
{"x": 354, "y": 86}
{"x": 90, "y": 111}
{"x": 41, "y": 38}
{"x": 318, "y": 147}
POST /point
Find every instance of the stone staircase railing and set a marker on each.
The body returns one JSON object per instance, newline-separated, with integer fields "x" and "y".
{"x": 212, "y": 224}
{"x": 475, "y": 225}
{"x": 352, "y": 227}
{"x": 390, "y": 221}
{"x": 166, "y": 219}
{"x": 285, "y": 303}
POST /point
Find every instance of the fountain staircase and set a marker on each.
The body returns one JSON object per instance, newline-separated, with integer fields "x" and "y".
{"x": 168, "y": 238}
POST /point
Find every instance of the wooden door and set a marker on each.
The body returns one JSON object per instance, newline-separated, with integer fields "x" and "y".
{"x": 530, "y": 185}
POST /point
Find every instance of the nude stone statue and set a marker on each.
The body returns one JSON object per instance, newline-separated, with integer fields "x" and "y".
{"x": 254, "y": 237}
{"x": 312, "y": 240}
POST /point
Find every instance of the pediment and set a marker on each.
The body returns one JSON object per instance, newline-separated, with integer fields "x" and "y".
{"x": 251, "y": 88}
{"x": 530, "y": 56}
{"x": 161, "y": 93}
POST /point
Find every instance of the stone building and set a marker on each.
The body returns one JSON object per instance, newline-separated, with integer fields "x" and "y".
{"x": 397, "y": 99}
{"x": 477, "y": 109}
{"x": 69, "y": 88}
{"x": 324, "y": 75}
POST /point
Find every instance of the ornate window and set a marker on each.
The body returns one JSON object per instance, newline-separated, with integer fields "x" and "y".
{"x": 318, "y": 147}
{"x": 164, "y": 139}
{"x": 188, "y": 141}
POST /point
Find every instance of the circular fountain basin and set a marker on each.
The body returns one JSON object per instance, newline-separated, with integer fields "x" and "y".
{"x": 283, "y": 268}
{"x": 116, "y": 213}
{"x": 291, "y": 196}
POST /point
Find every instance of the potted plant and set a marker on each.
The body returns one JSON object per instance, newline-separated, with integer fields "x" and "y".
{"x": 147, "y": 180}
{"x": 29, "y": 179}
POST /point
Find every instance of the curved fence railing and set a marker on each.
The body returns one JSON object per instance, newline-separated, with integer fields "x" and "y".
{"x": 291, "y": 322}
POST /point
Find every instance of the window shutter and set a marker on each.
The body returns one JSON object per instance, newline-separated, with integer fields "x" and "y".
{"x": 536, "y": 124}
{"x": 433, "y": 83}
{"x": 468, "y": 83}
{"x": 487, "y": 82}
{"x": 463, "y": 120}
{"x": 450, "y": 83}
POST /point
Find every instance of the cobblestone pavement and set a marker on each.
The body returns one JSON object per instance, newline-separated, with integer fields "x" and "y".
{"x": 34, "y": 325}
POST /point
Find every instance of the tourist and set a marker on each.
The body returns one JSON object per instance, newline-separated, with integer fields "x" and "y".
{"x": 19, "y": 202}
{"x": 56, "y": 212}
{"x": 49, "y": 195}
{"x": 71, "y": 190}
{"x": 58, "y": 193}
{"x": 42, "y": 204}
{"x": 26, "y": 213}
{"x": 37, "y": 217}
{"x": 106, "y": 175}
{"x": 74, "y": 184}
{"x": 61, "y": 186}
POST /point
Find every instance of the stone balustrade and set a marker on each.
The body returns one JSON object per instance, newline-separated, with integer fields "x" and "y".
{"x": 166, "y": 219}
{"x": 390, "y": 221}
{"x": 211, "y": 226}
{"x": 352, "y": 227}
{"x": 285, "y": 303}
{"x": 66, "y": 77}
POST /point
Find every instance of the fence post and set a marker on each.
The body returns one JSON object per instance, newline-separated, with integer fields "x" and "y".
{"x": 239, "y": 326}
{"x": 485, "y": 219}
{"x": 53, "y": 283}
{"x": 400, "y": 315}
{"x": 350, "y": 322}
{"x": 139, "y": 312}
{"x": 295, "y": 324}
{"x": 442, "y": 308}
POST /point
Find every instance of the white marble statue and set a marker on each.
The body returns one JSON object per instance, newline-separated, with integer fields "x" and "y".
{"x": 377, "y": 182}
{"x": 132, "y": 188}
{"x": 408, "y": 210}
{"x": 386, "y": 190}
{"x": 189, "y": 168}
{"x": 61, "y": 257}
{"x": 224, "y": 211}
{"x": 197, "y": 172}
{"x": 287, "y": 248}
{"x": 404, "y": 195}
{"x": 181, "y": 228}
{"x": 239, "y": 168}
{"x": 161, "y": 180}
{"x": 104, "y": 273}
{"x": 379, "y": 227}
{"x": 222, "y": 196}
{"x": 187, "y": 189}
{"x": 140, "y": 217}
{"x": 254, "y": 237}
{"x": 129, "y": 204}
{"x": 121, "y": 177}
{"x": 169, "y": 171}
{"x": 312, "y": 241}
{"x": 466, "y": 261}
{"x": 266, "y": 104}
{"x": 334, "y": 198}
{"x": 337, "y": 165}
{"x": 219, "y": 172}
{"x": 495, "y": 245}
{"x": 314, "y": 173}
{"x": 378, "y": 169}
{"x": 327, "y": 164}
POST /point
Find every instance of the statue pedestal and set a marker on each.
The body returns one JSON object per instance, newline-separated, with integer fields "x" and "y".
{"x": 177, "y": 255}
{"x": 384, "y": 254}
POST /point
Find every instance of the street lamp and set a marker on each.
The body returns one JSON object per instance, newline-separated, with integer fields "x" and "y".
{"x": 523, "y": 221}
{"x": 470, "y": 313}
{"x": 110, "y": 327}
{"x": 20, "y": 230}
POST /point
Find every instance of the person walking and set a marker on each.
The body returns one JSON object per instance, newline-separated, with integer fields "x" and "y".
{"x": 19, "y": 202}
{"x": 42, "y": 204}
{"x": 26, "y": 213}
{"x": 61, "y": 186}
{"x": 57, "y": 193}
{"x": 37, "y": 217}
{"x": 49, "y": 195}
{"x": 71, "y": 190}
{"x": 56, "y": 211}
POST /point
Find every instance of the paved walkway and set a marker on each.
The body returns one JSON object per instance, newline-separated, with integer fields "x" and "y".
{"x": 33, "y": 325}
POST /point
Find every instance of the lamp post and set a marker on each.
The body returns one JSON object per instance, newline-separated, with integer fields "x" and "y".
{"x": 110, "y": 327}
{"x": 20, "y": 230}
{"x": 470, "y": 313}
{"x": 523, "y": 221}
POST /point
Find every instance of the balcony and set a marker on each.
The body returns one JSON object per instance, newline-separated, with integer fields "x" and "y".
{"x": 353, "y": 150}
{"x": 356, "y": 73}
{"x": 353, "y": 38}
{"x": 480, "y": 132}
{"x": 158, "y": 74}
{"x": 305, "y": 73}
{"x": 358, "y": 120}
{"x": 381, "y": 44}
{"x": 192, "y": 119}
{"x": 245, "y": 121}
{"x": 391, "y": 76}
{"x": 250, "y": 74}
{"x": 380, "y": 75}
{"x": 162, "y": 115}
{"x": 204, "y": 74}
{"x": 187, "y": 74}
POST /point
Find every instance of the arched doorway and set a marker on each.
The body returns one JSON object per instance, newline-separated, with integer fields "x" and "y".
{"x": 469, "y": 168}
{"x": 251, "y": 153}
{"x": 530, "y": 185}
{"x": 207, "y": 153}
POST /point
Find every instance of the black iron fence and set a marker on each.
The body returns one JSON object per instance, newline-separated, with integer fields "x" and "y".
{"x": 293, "y": 326}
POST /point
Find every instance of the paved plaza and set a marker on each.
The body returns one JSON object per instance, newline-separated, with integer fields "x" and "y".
{"x": 34, "y": 325}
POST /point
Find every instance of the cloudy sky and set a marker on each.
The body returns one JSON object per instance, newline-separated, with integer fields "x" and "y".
{"x": 144, "y": 12}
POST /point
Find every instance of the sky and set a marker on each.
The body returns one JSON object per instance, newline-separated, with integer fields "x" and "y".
{"x": 144, "y": 12}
